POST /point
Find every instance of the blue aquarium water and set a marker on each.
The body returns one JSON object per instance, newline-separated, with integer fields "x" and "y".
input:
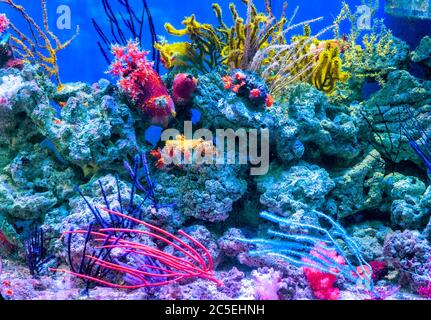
{"x": 253, "y": 150}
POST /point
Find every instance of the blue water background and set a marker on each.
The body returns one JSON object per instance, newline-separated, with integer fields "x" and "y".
{"x": 82, "y": 60}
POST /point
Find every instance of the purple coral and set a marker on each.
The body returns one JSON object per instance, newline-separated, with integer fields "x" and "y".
{"x": 410, "y": 254}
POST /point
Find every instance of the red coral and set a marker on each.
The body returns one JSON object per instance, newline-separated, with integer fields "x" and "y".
{"x": 141, "y": 82}
{"x": 379, "y": 269}
{"x": 4, "y": 242}
{"x": 189, "y": 259}
{"x": 183, "y": 88}
{"x": 320, "y": 282}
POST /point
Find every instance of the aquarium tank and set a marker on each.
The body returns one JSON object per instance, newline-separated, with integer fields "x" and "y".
{"x": 244, "y": 150}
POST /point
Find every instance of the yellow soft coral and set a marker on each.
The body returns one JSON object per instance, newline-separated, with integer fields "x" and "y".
{"x": 305, "y": 59}
{"x": 178, "y": 54}
{"x": 234, "y": 46}
{"x": 328, "y": 70}
{"x": 206, "y": 43}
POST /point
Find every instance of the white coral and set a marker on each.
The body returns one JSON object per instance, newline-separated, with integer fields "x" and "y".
{"x": 9, "y": 87}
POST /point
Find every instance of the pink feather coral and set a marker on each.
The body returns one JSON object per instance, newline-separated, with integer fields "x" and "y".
{"x": 4, "y": 23}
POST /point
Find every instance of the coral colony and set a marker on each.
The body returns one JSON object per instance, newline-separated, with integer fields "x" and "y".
{"x": 275, "y": 173}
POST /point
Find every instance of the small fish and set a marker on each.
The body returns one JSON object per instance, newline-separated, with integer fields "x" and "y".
{"x": 50, "y": 146}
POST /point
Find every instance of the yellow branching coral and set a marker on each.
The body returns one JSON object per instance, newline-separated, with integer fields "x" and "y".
{"x": 42, "y": 46}
{"x": 380, "y": 52}
{"x": 328, "y": 70}
{"x": 258, "y": 44}
{"x": 378, "y": 55}
{"x": 179, "y": 54}
{"x": 304, "y": 59}
{"x": 234, "y": 46}
{"x": 206, "y": 43}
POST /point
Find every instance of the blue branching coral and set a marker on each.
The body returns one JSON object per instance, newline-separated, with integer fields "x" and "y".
{"x": 298, "y": 246}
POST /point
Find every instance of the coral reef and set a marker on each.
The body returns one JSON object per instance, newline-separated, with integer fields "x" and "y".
{"x": 92, "y": 206}
{"x": 409, "y": 254}
{"x": 301, "y": 188}
{"x": 210, "y": 197}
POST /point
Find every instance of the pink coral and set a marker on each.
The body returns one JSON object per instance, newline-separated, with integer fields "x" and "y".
{"x": 425, "y": 291}
{"x": 3, "y": 102}
{"x": 4, "y": 23}
{"x": 139, "y": 80}
{"x": 320, "y": 282}
{"x": 267, "y": 283}
{"x": 183, "y": 88}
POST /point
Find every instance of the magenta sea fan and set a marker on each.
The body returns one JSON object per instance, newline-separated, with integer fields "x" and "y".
{"x": 187, "y": 258}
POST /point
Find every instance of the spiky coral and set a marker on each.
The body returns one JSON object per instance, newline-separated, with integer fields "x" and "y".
{"x": 315, "y": 248}
{"x": 304, "y": 59}
{"x": 43, "y": 46}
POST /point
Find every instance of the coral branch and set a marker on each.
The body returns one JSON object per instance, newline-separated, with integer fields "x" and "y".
{"x": 154, "y": 267}
{"x": 42, "y": 45}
